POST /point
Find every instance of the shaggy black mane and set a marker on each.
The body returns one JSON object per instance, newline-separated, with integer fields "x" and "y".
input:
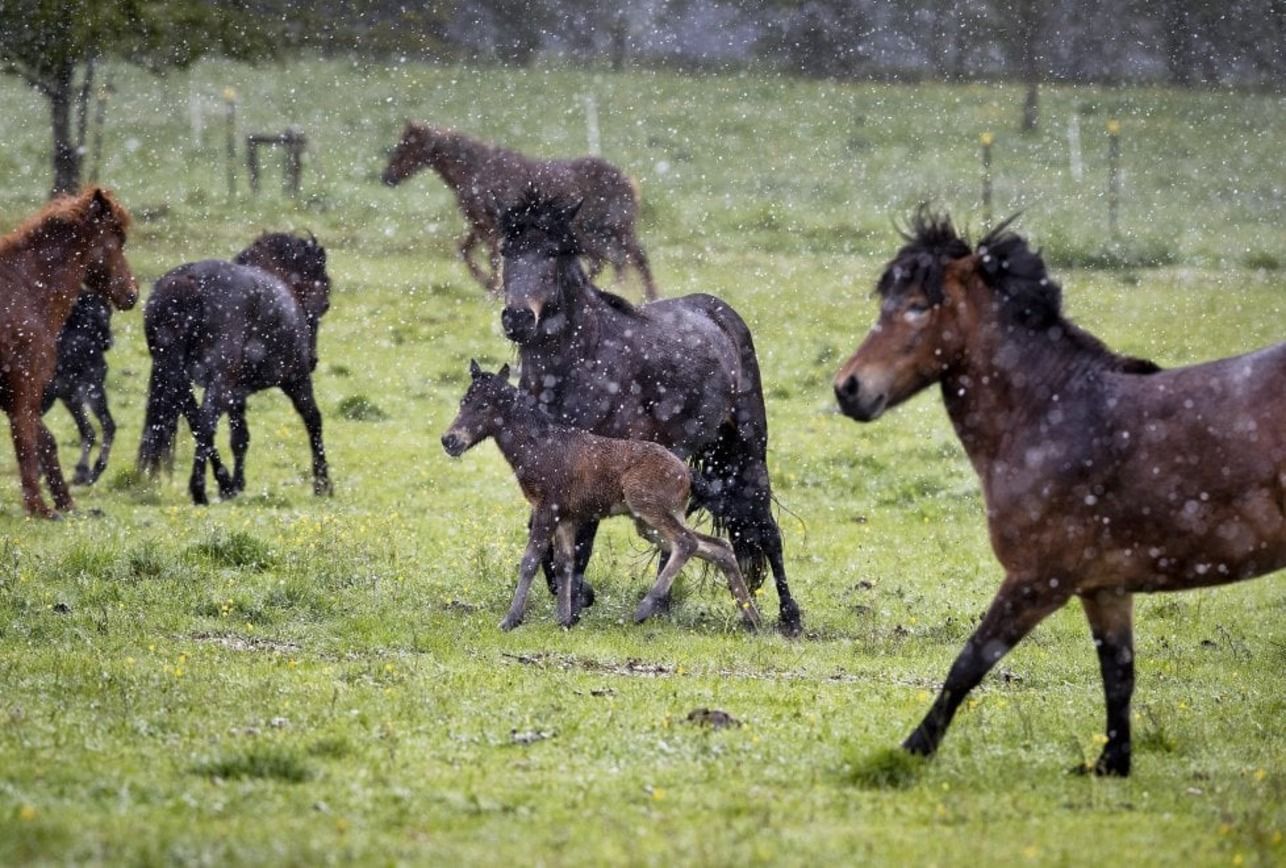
{"x": 931, "y": 242}
{"x": 538, "y": 222}
{"x": 300, "y": 255}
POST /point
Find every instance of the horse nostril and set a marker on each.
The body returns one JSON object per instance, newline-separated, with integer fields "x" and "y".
{"x": 850, "y": 387}
{"x": 448, "y": 442}
{"x": 517, "y": 321}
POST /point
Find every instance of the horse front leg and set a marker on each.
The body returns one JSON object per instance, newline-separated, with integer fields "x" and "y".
{"x": 1021, "y": 603}
{"x": 301, "y": 395}
{"x": 565, "y": 564}
{"x": 1111, "y": 617}
{"x": 22, "y": 427}
{"x": 539, "y": 531}
{"x": 47, "y": 451}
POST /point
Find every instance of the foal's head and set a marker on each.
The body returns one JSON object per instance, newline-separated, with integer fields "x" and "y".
{"x": 300, "y": 262}
{"x": 540, "y": 252}
{"x": 918, "y": 332}
{"x": 483, "y": 409}
{"x": 414, "y": 150}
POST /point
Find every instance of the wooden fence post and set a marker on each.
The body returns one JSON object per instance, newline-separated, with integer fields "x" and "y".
{"x": 1113, "y": 175}
{"x": 986, "y": 139}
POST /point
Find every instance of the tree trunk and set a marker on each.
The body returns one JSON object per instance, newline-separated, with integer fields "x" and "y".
{"x": 1031, "y": 108}
{"x": 1029, "y": 26}
{"x": 66, "y": 153}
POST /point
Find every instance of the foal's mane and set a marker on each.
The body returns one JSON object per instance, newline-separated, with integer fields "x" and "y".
{"x": 931, "y": 242}
{"x": 539, "y": 222}
{"x": 305, "y": 254}
{"x": 68, "y": 211}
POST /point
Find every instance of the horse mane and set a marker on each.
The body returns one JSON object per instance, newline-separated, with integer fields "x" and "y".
{"x": 1029, "y": 298}
{"x": 283, "y": 251}
{"x": 539, "y": 221}
{"x": 69, "y": 211}
{"x": 931, "y": 242}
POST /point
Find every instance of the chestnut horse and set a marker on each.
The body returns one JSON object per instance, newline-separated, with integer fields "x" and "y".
{"x": 1103, "y": 475}
{"x": 72, "y": 241}
{"x": 487, "y": 180}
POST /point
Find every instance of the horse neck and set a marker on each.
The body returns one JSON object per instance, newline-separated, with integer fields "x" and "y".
{"x": 1007, "y": 379}
{"x": 53, "y": 271}
{"x": 456, "y": 158}
{"x": 526, "y": 438}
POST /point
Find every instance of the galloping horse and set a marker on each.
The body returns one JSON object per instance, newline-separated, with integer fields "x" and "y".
{"x": 681, "y": 372}
{"x": 234, "y": 328}
{"x": 1103, "y": 475}
{"x": 72, "y": 241}
{"x": 487, "y": 179}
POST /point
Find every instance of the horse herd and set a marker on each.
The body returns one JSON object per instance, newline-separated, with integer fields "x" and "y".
{"x": 1103, "y": 475}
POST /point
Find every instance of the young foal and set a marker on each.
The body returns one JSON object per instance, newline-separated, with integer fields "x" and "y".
{"x": 572, "y": 477}
{"x": 234, "y": 328}
{"x": 73, "y": 241}
{"x": 487, "y": 179}
{"x": 80, "y": 380}
{"x": 1103, "y": 475}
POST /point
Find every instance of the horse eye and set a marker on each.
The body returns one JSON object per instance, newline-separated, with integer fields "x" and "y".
{"x": 917, "y": 308}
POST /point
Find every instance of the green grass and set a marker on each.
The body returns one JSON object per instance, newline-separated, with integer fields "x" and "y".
{"x": 292, "y": 680}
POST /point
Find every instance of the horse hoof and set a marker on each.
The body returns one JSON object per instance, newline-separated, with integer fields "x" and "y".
{"x": 646, "y": 609}
{"x": 918, "y": 743}
{"x": 323, "y": 489}
{"x": 585, "y": 595}
{"x": 509, "y": 623}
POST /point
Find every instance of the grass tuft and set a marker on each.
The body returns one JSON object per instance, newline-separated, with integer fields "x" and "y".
{"x": 233, "y": 549}
{"x": 890, "y": 768}
{"x": 261, "y": 762}
{"x": 359, "y": 408}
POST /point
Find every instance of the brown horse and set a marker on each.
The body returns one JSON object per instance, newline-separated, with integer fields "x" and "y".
{"x": 73, "y": 240}
{"x": 571, "y": 478}
{"x": 487, "y": 180}
{"x": 1103, "y": 475}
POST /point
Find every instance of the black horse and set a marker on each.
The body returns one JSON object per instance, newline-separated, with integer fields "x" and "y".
{"x": 234, "y": 328}
{"x": 681, "y": 372}
{"x": 80, "y": 380}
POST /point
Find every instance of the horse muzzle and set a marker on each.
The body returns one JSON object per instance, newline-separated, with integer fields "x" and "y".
{"x": 519, "y": 324}
{"x": 856, "y": 402}
{"x": 454, "y": 444}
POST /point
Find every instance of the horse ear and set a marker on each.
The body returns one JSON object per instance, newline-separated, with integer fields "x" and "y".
{"x": 503, "y": 373}
{"x": 569, "y": 213}
{"x": 475, "y": 370}
{"x": 99, "y": 207}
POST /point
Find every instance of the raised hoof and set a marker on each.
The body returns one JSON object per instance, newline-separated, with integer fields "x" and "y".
{"x": 82, "y": 476}
{"x": 918, "y": 743}
{"x": 323, "y": 488}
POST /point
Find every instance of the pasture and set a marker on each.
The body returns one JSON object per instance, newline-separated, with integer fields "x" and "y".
{"x": 301, "y": 681}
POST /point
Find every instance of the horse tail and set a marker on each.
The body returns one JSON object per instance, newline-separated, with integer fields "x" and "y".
{"x": 730, "y": 477}
{"x": 169, "y": 391}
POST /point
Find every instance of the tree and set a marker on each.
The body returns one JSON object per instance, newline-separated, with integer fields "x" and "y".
{"x": 56, "y": 45}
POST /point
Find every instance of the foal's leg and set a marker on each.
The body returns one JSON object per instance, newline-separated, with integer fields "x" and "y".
{"x": 719, "y": 553}
{"x": 85, "y": 431}
{"x": 1021, "y": 604}
{"x": 682, "y": 544}
{"x": 1111, "y": 623}
{"x": 539, "y": 530}
{"x": 300, "y": 393}
{"x": 584, "y": 591}
{"x": 565, "y": 564}
{"x": 97, "y": 398}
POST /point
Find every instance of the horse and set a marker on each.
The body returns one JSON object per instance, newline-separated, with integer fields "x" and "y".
{"x": 80, "y": 380}
{"x": 73, "y": 241}
{"x": 572, "y": 477}
{"x": 234, "y": 328}
{"x": 1103, "y": 475}
{"x": 486, "y": 179}
{"x": 681, "y": 372}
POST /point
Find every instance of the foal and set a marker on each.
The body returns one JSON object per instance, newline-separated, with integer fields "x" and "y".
{"x": 1103, "y": 475}
{"x": 572, "y": 477}
{"x": 80, "y": 380}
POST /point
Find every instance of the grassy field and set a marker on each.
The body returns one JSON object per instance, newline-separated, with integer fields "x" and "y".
{"x": 287, "y": 680}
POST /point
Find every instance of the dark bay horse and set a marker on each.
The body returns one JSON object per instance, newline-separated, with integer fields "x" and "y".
{"x": 234, "y": 328}
{"x": 572, "y": 477}
{"x": 80, "y": 380}
{"x": 73, "y": 241}
{"x": 681, "y": 372}
{"x": 487, "y": 179}
{"x": 1103, "y": 475}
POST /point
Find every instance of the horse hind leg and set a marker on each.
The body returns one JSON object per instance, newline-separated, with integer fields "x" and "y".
{"x": 719, "y": 553}
{"x": 98, "y": 403}
{"x": 682, "y": 545}
{"x": 1111, "y": 624}
{"x": 85, "y": 430}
